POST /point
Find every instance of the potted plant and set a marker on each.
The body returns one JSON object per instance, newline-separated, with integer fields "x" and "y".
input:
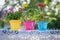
{"x": 14, "y": 19}
{"x": 42, "y": 17}
{"x": 29, "y": 19}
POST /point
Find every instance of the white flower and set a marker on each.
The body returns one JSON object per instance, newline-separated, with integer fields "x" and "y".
{"x": 56, "y": 11}
{"x": 54, "y": 0}
{"x": 54, "y": 18}
{"x": 21, "y": 1}
{"x": 17, "y": 5}
{"x": 48, "y": 13}
{"x": 11, "y": 2}
{"x": 53, "y": 3}
{"x": 52, "y": 8}
{"x": 28, "y": 1}
{"x": 24, "y": 3}
{"x": 16, "y": 8}
{"x": 58, "y": 0}
{"x": 2, "y": 2}
{"x": 46, "y": 8}
{"x": 15, "y": 2}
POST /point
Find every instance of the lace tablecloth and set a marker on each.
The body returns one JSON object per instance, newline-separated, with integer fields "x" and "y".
{"x": 30, "y": 35}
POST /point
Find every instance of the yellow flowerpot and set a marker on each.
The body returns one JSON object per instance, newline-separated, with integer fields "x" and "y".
{"x": 15, "y": 24}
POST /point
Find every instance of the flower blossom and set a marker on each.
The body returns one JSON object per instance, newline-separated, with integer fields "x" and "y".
{"x": 40, "y": 4}
{"x": 11, "y": 9}
{"x": 4, "y": 11}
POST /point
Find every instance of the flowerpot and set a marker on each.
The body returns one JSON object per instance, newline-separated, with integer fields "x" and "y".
{"x": 29, "y": 24}
{"x": 15, "y": 24}
{"x": 42, "y": 25}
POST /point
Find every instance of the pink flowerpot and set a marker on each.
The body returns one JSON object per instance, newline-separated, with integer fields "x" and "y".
{"x": 29, "y": 24}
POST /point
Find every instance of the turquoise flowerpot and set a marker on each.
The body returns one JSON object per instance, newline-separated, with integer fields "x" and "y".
{"x": 42, "y": 25}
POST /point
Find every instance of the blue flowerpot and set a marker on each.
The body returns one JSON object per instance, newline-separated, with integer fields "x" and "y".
{"x": 42, "y": 25}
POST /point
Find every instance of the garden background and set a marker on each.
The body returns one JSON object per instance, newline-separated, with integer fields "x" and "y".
{"x": 52, "y": 5}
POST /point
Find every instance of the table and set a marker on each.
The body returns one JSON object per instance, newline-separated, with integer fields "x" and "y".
{"x": 30, "y": 35}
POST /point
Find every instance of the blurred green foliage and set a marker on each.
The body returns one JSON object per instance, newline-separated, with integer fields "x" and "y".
{"x": 54, "y": 24}
{"x": 2, "y": 24}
